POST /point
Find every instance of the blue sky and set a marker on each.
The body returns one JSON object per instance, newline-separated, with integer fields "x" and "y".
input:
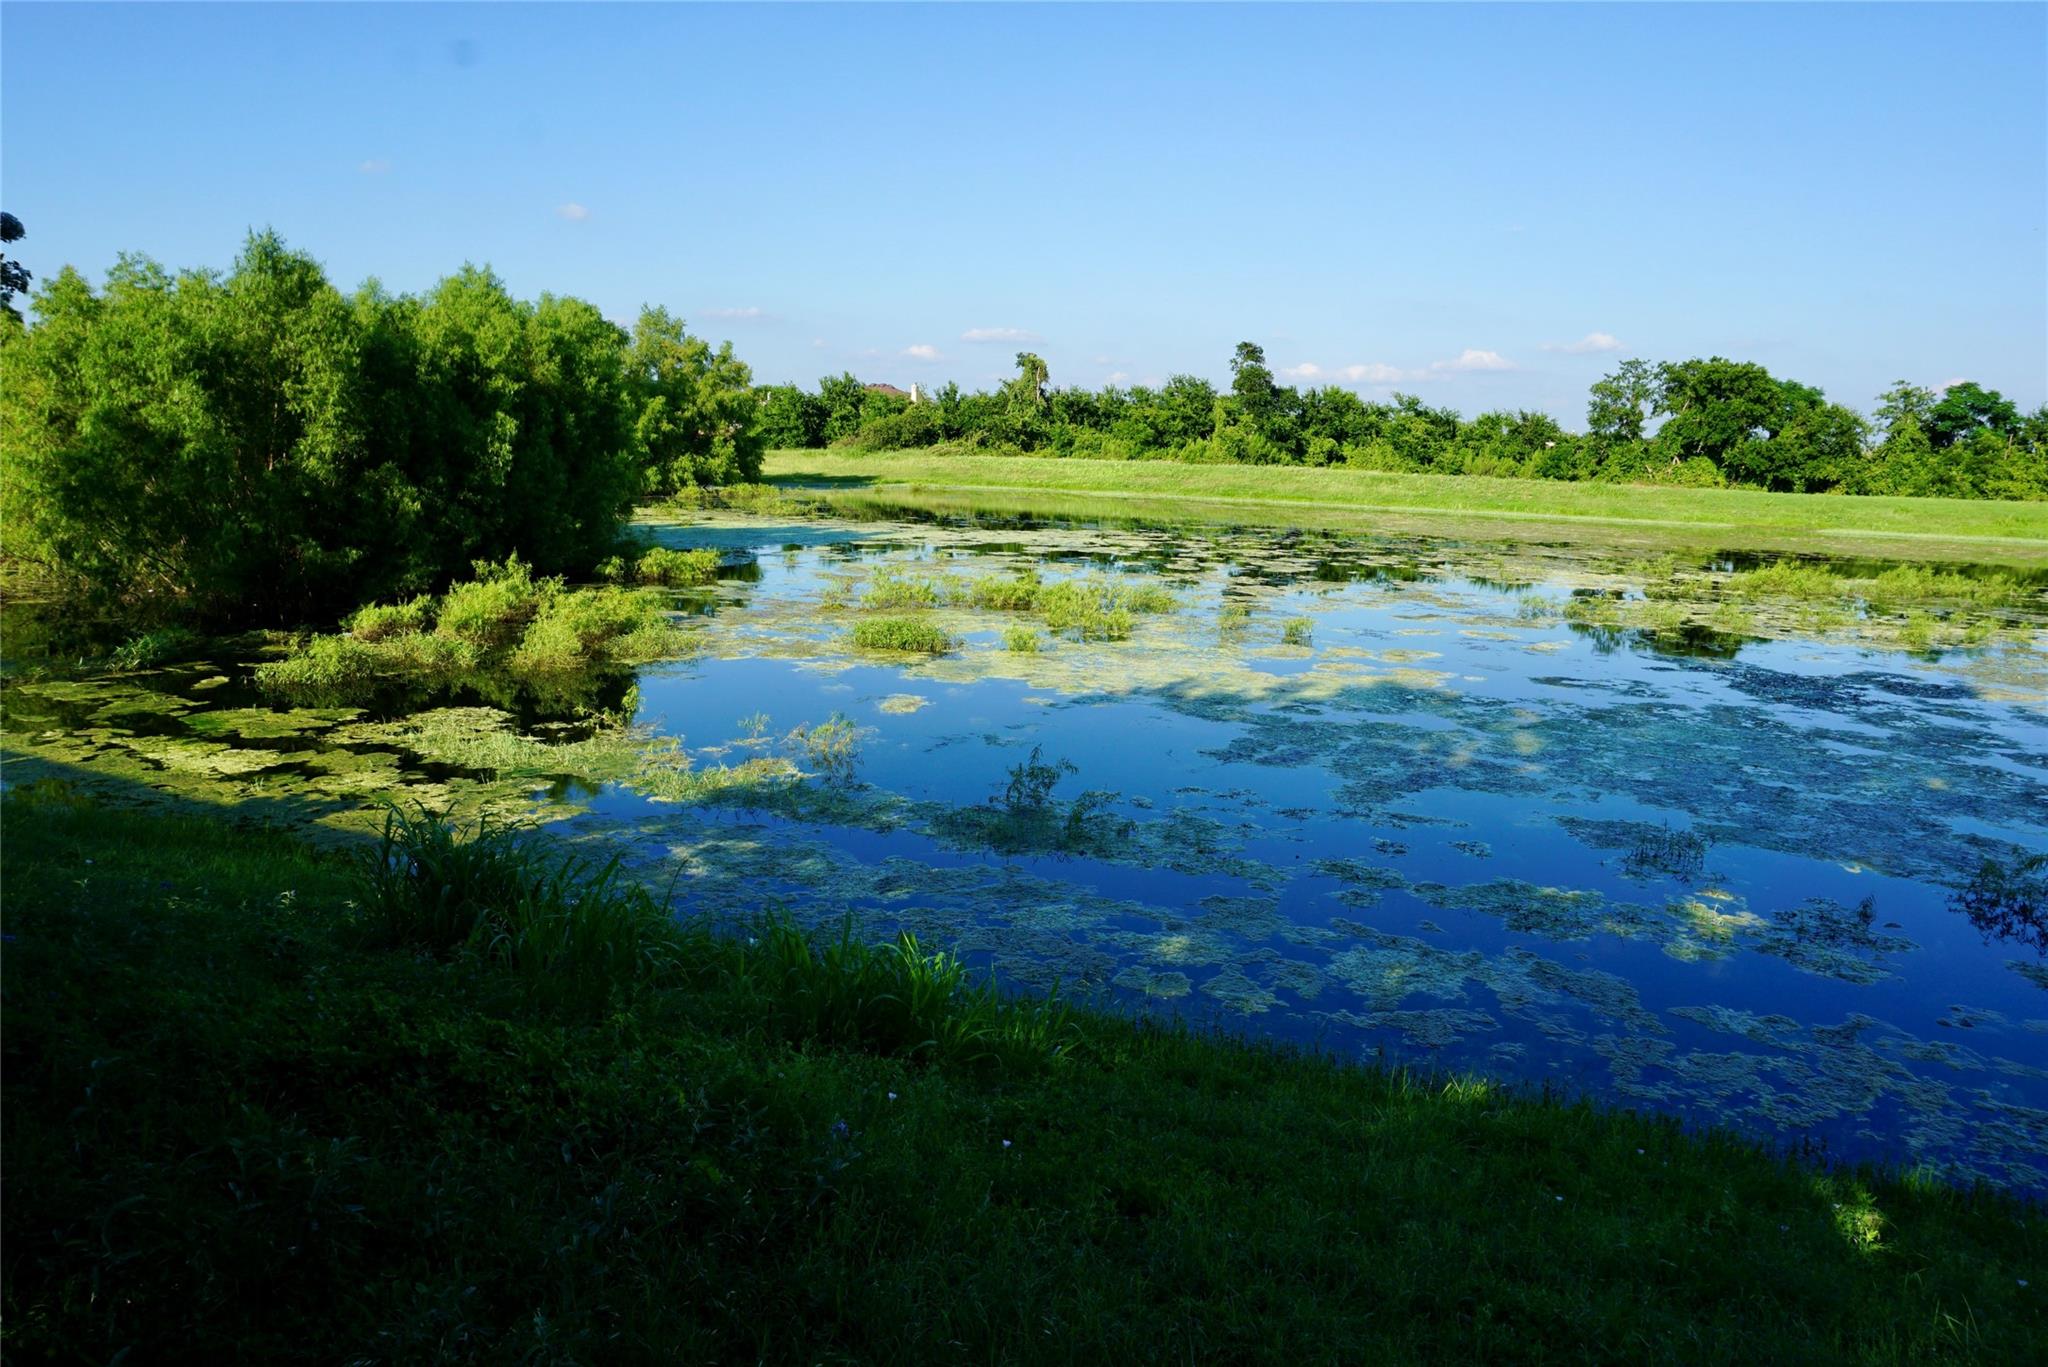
{"x": 1484, "y": 205}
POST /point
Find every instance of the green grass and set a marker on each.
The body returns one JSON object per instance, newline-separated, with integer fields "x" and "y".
{"x": 907, "y": 635}
{"x": 251, "y": 1116}
{"x": 1919, "y": 528}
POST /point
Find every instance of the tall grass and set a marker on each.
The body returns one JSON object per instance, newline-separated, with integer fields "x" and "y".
{"x": 896, "y": 1000}
{"x": 905, "y": 635}
{"x": 575, "y": 930}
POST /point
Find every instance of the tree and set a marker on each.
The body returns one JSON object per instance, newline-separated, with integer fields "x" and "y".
{"x": 1251, "y": 384}
{"x": 1619, "y": 406}
{"x": 14, "y": 277}
{"x": 1028, "y": 388}
{"x": 1714, "y": 407}
{"x": 697, "y": 421}
{"x": 1904, "y": 402}
{"x": 1966, "y": 407}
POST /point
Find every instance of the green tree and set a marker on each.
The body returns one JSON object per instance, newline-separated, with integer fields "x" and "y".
{"x": 14, "y": 277}
{"x": 696, "y": 419}
{"x": 1251, "y": 385}
{"x": 1965, "y": 408}
{"x": 1028, "y": 389}
{"x": 1619, "y": 406}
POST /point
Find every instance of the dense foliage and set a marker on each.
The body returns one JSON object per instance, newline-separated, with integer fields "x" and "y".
{"x": 1699, "y": 422}
{"x": 479, "y": 1102}
{"x": 258, "y": 444}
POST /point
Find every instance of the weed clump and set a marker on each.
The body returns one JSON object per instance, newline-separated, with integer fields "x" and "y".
{"x": 904, "y": 635}
{"x": 1298, "y": 631}
{"x": 1020, "y": 640}
{"x": 892, "y": 588}
{"x": 502, "y": 624}
{"x": 676, "y": 569}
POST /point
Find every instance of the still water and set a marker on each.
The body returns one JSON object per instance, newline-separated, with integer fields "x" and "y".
{"x": 1395, "y": 798}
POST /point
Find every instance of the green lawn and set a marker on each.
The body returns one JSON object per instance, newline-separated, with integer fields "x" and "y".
{"x": 1915, "y": 528}
{"x": 238, "y": 1128}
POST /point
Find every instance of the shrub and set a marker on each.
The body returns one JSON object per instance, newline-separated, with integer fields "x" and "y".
{"x": 905, "y": 634}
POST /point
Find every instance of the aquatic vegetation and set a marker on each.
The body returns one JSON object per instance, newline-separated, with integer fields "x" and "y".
{"x": 1011, "y": 593}
{"x": 1297, "y": 631}
{"x": 905, "y": 635}
{"x": 504, "y": 625}
{"x": 1020, "y": 640}
{"x": 381, "y": 621}
{"x": 892, "y": 588}
{"x": 903, "y": 704}
{"x": 832, "y": 745}
{"x": 148, "y": 649}
{"x": 739, "y": 497}
{"x": 676, "y": 569}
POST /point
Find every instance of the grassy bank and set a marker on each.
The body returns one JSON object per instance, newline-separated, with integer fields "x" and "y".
{"x": 1713, "y": 519}
{"x": 262, "y": 1105}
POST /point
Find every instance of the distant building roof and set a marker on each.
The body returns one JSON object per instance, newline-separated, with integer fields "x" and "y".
{"x": 891, "y": 390}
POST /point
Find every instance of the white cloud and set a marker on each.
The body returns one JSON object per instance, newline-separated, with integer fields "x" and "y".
{"x": 1471, "y": 358}
{"x": 1117, "y": 377}
{"x": 573, "y": 211}
{"x": 375, "y": 166}
{"x": 817, "y": 341}
{"x": 1946, "y": 385}
{"x": 1378, "y": 372}
{"x": 923, "y": 351}
{"x": 999, "y": 335}
{"x": 1587, "y": 345}
{"x": 738, "y": 315}
{"x": 1307, "y": 370}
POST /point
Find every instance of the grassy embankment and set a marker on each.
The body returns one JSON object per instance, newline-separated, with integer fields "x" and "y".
{"x": 262, "y": 1105}
{"x": 1636, "y": 515}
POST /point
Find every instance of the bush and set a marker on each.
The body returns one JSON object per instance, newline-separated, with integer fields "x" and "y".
{"x": 904, "y": 634}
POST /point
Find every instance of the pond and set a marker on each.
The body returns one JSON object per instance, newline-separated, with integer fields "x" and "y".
{"x": 1643, "y": 830}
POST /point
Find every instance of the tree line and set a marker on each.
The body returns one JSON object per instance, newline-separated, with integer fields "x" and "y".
{"x": 256, "y": 445}
{"x": 1701, "y": 422}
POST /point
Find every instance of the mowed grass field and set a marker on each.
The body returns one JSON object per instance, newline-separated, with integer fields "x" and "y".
{"x": 1727, "y": 519}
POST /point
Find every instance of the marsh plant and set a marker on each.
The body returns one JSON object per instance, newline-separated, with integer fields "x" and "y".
{"x": 832, "y": 746}
{"x": 504, "y": 623}
{"x": 664, "y": 566}
{"x": 1297, "y": 631}
{"x": 1020, "y": 640}
{"x": 893, "y": 588}
{"x": 901, "y": 635}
